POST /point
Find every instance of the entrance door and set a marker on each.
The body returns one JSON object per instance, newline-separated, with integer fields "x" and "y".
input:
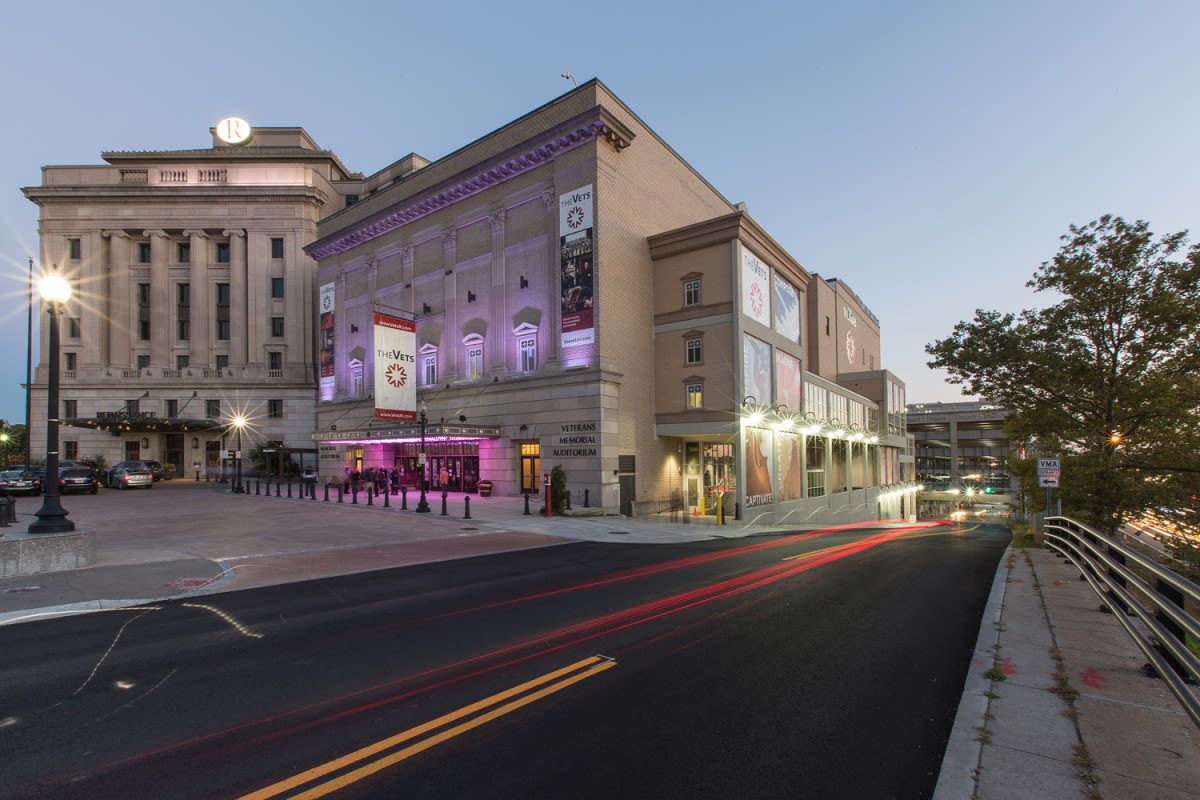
{"x": 173, "y": 453}
{"x": 531, "y": 468}
{"x": 133, "y": 450}
{"x": 693, "y": 495}
{"x": 627, "y": 490}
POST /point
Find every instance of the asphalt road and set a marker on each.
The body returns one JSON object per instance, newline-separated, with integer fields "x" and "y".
{"x": 823, "y": 665}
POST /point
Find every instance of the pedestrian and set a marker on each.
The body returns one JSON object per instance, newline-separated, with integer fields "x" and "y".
{"x": 443, "y": 478}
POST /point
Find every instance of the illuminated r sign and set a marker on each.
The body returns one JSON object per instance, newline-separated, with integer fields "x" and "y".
{"x": 233, "y": 130}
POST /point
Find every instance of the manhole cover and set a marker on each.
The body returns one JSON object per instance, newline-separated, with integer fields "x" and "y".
{"x": 619, "y": 533}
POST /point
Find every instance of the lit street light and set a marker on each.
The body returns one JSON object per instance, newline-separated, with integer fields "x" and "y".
{"x": 5, "y": 439}
{"x": 52, "y": 517}
{"x": 239, "y": 422}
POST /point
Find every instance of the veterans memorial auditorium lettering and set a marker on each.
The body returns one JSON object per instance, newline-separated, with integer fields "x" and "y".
{"x": 577, "y": 267}
{"x": 395, "y": 368}
{"x": 574, "y": 441}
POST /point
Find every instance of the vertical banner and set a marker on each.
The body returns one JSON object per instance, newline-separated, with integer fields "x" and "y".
{"x": 788, "y": 382}
{"x": 756, "y": 370}
{"x": 395, "y": 368}
{"x": 576, "y": 267}
{"x": 791, "y": 473}
{"x": 787, "y": 310}
{"x": 755, "y": 285}
{"x": 759, "y": 458}
{"x": 325, "y": 365}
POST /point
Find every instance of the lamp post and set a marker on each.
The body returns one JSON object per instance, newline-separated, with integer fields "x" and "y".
{"x": 423, "y": 504}
{"x": 52, "y": 517}
{"x": 4, "y": 439}
{"x": 239, "y": 422}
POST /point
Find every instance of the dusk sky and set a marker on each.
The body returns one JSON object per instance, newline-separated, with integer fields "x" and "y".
{"x": 929, "y": 154}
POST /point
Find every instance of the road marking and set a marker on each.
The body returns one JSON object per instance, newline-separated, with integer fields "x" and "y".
{"x": 819, "y": 552}
{"x": 594, "y": 665}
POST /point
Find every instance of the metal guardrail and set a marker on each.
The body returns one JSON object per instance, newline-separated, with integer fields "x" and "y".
{"x": 1104, "y": 562}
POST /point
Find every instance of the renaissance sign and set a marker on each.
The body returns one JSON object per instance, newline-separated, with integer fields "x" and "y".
{"x": 395, "y": 368}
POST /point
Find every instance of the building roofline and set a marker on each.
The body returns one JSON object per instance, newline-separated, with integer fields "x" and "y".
{"x": 736, "y": 225}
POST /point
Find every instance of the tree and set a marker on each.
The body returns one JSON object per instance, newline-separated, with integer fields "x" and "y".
{"x": 1105, "y": 377}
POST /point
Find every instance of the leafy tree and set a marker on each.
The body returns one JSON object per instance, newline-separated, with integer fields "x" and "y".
{"x": 1107, "y": 376}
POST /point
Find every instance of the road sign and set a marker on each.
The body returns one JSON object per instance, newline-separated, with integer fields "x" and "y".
{"x": 1048, "y": 465}
{"x": 1048, "y": 481}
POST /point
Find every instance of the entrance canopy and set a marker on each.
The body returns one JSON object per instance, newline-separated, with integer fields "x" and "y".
{"x": 119, "y": 422}
{"x": 409, "y": 433}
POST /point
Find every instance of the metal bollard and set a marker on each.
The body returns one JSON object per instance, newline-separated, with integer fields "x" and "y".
{"x": 586, "y": 504}
{"x": 443, "y": 503}
{"x": 354, "y": 494}
{"x": 197, "y": 476}
{"x": 312, "y": 491}
{"x": 527, "y": 504}
{"x": 326, "y": 491}
{"x": 386, "y": 494}
{"x": 257, "y": 487}
{"x": 737, "y": 511}
{"x": 289, "y": 488}
{"x": 370, "y": 495}
{"x": 4, "y": 501}
{"x": 568, "y": 501}
{"x": 404, "y": 498}
{"x": 466, "y": 508}
{"x": 278, "y": 487}
{"x": 339, "y": 493}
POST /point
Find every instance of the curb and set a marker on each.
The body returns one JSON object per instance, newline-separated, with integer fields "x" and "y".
{"x": 67, "y": 609}
{"x": 960, "y": 764}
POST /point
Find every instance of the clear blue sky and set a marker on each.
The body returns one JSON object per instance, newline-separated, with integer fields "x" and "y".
{"x": 930, "y": 154}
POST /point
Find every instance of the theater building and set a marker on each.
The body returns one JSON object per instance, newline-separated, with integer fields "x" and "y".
{"x": 580, "y": 296}
{"x": 193, "y": 297}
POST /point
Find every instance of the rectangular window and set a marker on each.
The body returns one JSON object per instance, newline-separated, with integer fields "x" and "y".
{"x": 275, "y": 409}
{"x": 528, "y": 347}
{"x": 73, "y": 327}
{"x": 182, "y": 361}
{"x": 475, "y": 362}
{"x": 356, "y": 379}
{"x": 223, "y": 311}
{"x": 183, "y": 311}
{"x": 143, "y": 252}
{"x": 212, "y": 409}
{"x": 143, "y": 311}
{"x": 691, "y": 292}
{"x": 70, "y": 361}
{"x": 816, "y": 466}
{"x": 222, "y": 362}
{"x": 277, "y": 287}
{"x": 222, "y": 252}
{"x": 695, "y": 351}
{"x": 430, "y": 370}
{"x": 277, "y": 326}
{"x": 74, "y": 249}
{"x": 171, "y": 408}
{"x": 184, "y": 251}
{"x": 70, "y": 409}
{"x": 275, "y": 361}
{"x": 143, "y": 361}
{"x": 277, "y": 247}
{"x": 71, "y": 451}
{"x": 695, "y": 395}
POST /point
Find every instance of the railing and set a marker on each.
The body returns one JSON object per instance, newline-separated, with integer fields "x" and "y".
{"x": 172, "y": 373}
{"x": 1103, "y": 562}
{"x": 68, "y": 373}
{"x": 211, "y": 175}
{"x": 212, "y": 373}
{"x": 172, "y": 176}
{"x": 274, "y": 373}
{"x": 131, "y": 373}
{"x": 135, "y": 176}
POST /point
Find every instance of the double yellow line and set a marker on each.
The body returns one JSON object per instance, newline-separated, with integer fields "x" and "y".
{"x": 557, "y": 680}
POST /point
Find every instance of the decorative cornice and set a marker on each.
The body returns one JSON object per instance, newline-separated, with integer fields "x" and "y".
{"x": 535, "y": 156}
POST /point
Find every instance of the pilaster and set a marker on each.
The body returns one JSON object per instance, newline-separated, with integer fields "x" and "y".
{"x": 119, "y": 291}
{"x": 91, "y": 287}
{"x": 502, "y": 358}
{"x": 160, "y": 319}
{"x": 451, "y": 334}
{"x": 199, "y": 340}
{"x": 238, "y": 302}
{"x": 553, "y": 284}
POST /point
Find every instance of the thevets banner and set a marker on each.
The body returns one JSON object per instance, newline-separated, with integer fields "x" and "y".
{"x": 395, "y": 368}
{"x": 325, "y": 363}
{"x": 576, "y": 267}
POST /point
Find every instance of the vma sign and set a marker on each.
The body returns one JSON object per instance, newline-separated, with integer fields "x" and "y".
{"x": 395, "y": 368}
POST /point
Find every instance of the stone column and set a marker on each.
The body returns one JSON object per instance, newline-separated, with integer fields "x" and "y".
{"x": 553, "y": 278}
{"x": 406, "y": 275}
{"x": 160, "y": 308}
{"x": 237, "y": 300}
{"x": 119, "y": 291}
{"x": 202, "y": 308}
{"x": 372, "y": 299}
{"x": 451, "y": 334}
{"x": 501, "y": 356}
{"x": 257, "y": 283}
{"x": 90, "y": 309}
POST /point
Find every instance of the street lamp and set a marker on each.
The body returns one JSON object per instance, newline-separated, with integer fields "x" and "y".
{"x": 52, "y": 517}
{"x": 4, "y": 439}
{"x": 423, "y": 504}
{"x": 239, "y": 422}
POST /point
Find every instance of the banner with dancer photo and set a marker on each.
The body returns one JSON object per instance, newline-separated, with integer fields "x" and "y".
{"x": 790, "y": 460}
{"x": 577, "y": 267}
{"x": 325, "y": 356}
{"x": 759, "y": 468}
{"x": 395, "y": 368}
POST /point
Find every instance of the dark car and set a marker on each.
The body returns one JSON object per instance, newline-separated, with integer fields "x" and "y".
{"x": 22, "y": 482}
{"x": 130, "y": 473}
{"x": 77, "y": 479}
{"x": 156, "y": 469}
{"x": 92, "y": 466}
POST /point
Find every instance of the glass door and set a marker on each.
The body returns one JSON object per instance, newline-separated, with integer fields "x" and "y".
{"x": 531, "y": 467}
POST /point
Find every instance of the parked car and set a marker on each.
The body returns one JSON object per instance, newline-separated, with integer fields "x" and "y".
{"x": 156, "y": 469}
{"x": 18, "y": 481}
{"x": 90, "y": 465}
{"x": 128, "y": 474}
{"x": 77, "y": 479}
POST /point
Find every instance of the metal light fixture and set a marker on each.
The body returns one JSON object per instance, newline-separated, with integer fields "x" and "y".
{"x": 423, "y": 504}
{"x": 239, "y": 422}
{"x": 52, "y": 517}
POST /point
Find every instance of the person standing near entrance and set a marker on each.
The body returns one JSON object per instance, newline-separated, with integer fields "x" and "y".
{"x": 443, "y": 478}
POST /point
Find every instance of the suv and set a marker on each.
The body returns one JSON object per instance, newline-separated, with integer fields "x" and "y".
{"x": 77, "y": 479}
{"x": 156, "y": 469}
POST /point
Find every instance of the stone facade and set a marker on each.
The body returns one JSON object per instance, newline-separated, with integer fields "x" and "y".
{"x": 193, "y": 297}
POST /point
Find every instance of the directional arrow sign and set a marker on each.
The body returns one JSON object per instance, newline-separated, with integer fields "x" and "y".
{"x": 1048, "y": 481}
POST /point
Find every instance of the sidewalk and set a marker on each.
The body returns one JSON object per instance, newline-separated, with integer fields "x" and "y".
{"x": 1055, "y": 704}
